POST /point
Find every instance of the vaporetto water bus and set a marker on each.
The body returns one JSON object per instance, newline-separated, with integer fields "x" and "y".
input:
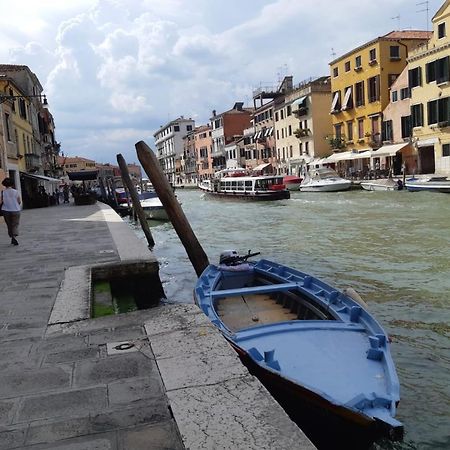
{"x": 238, "y": 185}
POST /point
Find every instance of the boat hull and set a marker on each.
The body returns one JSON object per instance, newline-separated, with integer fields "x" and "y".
{"x": 382, "y": 186}
{"x": 332, "y": 187}
{"x": 251, "y": 196}
{"x": 314, "y": 414}
{"x": 437, "y": 186}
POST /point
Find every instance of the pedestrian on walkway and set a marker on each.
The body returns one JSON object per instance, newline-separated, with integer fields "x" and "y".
{"x": 10, "y": 202}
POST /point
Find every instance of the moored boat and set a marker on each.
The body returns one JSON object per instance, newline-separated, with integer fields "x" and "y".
{"x": 292, "y": 182}
{"x": 154, "y": 209}
{"x": 382, "y": 184}
{"x": 324, "y": 179}
{"x": 321, "y": 353}
{"x": 436, "y": 184}
{"x": 239, "y": 186}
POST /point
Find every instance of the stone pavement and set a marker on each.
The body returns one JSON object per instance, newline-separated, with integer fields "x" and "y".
{"x": 67, "y": 386}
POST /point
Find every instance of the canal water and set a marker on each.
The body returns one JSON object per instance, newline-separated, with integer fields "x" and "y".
{"x": 392, "y": 247}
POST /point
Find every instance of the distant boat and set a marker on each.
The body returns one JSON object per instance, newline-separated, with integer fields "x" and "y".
{"x": 292, "y": 182}
{"x": 154, "y": 209}
{"x": 324, "y": 179}
{"x": 436, "y": 184}
{"x": 382, "y": 184}
{"x": 316, "y": 349}
{"x": 237, "y": 185}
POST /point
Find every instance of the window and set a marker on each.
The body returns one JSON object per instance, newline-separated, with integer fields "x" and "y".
{"x": 374, "y": 88}
{"x": 445, "y": 149}
{"x": 348, "y": 99}
{"x": 415, "y": 77}
{"x": 394, "y": 52}
{"x": 347, "y": 66}
{"x": 288, "y": 110}
{"x": 372, "y": 54}
{"x": 391, "y": 78}
{"x": 350, "y": 131}
{"x": 11, "y": 93}
{"x": 338, "y": 131}
{"x": 290, "y": 130}
{"x": 406, "y": 127}
{"x": 394, "y": 96}
{"x": 405, "y": 93}
{"x": 360, "y": 128}
{"x": 291, "y": 152}
{"x": 8, "y": 130}
{"x": 176, "y": 128}
{"x": 281, "y": 115}
{"x": 439, "y": 111}
{"x": 188, "y": 127}
{"x": 335, "y": 72}
{"x": 22, "y": 108}
{"x": 417, "y": 115}
{"x": 358, "y": 62}
{"x": 276, "y": 117}
{"x": 441, "y": 30}
{"x": 306, "y": 148}
{"x": 442, "y": 70}
{"x": 359, "y": 93}
{"x": 387, "y": 130}
{"x": 336, "y": 104}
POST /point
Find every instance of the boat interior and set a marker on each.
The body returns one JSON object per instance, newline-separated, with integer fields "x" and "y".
{"x": 245, "y": 310}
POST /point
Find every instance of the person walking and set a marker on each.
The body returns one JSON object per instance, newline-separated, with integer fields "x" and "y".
{"x": 11, "y": 205}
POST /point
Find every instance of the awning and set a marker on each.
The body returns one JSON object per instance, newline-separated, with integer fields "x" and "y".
{"x": 269, "y": 132}
{"x": 261, "y": 167}
{"x": 335, "y": 157}
{"x": 388, "y": 150}
{"x": 361, "y": 155}
{"x": 41, "y": 177}
{"x": 83, "y": 175}
{"x": 257, "y": 135}
{"x": 299, "y": 102}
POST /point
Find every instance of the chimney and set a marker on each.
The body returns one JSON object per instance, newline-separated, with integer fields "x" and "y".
{"x": 238, "y": 106}
{"x": 214, "y": 112}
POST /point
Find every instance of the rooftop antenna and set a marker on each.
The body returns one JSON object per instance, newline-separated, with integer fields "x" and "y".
{"x": 426, "y": 8}
{"x": 397, "y": 17}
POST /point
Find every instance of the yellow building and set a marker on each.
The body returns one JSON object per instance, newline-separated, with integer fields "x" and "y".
{"x": 17, "y": 127}
{"x": 360, "y": 82}
{"x": 429, "y": 81}
{"x": 76, "y": 164}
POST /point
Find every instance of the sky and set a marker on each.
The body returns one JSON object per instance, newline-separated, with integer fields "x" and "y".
{"x": 114, "y": 71}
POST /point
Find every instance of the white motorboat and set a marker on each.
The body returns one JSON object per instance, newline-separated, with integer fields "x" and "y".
{"x": 437, "y": 184}
{"x": 324, "y": 179}
{"x": 154, "y": 209}
{"x": 383, "y": 184}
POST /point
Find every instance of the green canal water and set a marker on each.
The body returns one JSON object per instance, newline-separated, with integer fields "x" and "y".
{"x": 392, "y": 247}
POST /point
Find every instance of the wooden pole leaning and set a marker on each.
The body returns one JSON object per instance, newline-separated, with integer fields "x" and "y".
{"x": 135, "y": 199}
{"x": 176, "y": 215}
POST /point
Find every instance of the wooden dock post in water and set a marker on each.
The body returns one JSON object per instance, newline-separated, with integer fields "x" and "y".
{"x": 176, "y": 215}
{"x": 135, "y": 199}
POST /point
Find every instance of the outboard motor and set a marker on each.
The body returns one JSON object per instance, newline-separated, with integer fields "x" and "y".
{"x": 229, "y": 258}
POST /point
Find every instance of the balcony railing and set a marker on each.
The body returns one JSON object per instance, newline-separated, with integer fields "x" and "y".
{"x": 32, "y": 161}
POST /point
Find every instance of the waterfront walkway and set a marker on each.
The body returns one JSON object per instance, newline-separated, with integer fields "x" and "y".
{"x": 67, "y": 386}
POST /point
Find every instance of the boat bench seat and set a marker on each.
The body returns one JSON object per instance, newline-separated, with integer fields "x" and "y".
{"x": 254, "y": 290}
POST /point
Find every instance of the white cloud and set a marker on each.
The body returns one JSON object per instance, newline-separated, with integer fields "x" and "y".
{"x": 115, "y": 70}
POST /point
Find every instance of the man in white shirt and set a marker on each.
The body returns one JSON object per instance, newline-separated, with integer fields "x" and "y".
{"x": 11, "y": 205}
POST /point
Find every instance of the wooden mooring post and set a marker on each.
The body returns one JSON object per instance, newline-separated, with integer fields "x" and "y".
{"x": 176, "y": 215}
{"x": 135, "y": 199}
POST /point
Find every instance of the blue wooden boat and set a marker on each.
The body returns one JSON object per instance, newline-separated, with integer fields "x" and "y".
{"x": 319, "y": 352}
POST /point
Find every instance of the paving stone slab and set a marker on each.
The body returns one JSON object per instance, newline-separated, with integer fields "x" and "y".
{"x": 6, "y": 411}
{"x": 163, "y": 436}
{"x": 135, "y": 389}
{"x": 113, "y": 368}
{"x": 105, "y": 441}
{"x": 126, "y": 418}
{"x": 72, "y": 355}
{"x": 26, "y": 381}
{"x": 235, "y": 414}
{"x": 12, "y": 438}
{"x": 63, "y": 404}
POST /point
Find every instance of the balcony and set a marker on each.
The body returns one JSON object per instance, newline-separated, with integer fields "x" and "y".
{"x": 301, "y": 111}
{"x": 32, "y": 162}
